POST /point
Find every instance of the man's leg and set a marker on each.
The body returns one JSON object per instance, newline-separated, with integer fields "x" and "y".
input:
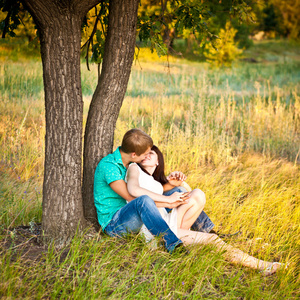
{"x": 203, "y": 223}
{"x": 137, "y": 212}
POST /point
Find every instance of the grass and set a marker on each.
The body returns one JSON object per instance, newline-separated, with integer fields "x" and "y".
{"x": 89, "y": 271}
{"x": 275, "y": 51}
{"x": 234, "y": 132}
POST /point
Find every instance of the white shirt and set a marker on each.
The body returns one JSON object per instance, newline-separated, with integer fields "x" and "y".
{"x": 147, "y": 182}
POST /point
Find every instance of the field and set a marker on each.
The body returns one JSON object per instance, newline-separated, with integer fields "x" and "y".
{"x": 234, "y": 132}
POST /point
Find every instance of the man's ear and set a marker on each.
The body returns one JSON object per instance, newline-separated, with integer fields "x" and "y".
{"x": 133, "y": 155}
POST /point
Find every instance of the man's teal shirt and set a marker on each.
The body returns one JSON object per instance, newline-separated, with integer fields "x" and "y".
{"x": 107, "y": 201}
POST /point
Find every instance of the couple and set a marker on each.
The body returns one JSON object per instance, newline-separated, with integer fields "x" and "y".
{"x": 124, "y": 208}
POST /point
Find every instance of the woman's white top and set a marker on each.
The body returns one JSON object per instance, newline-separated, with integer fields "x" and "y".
{"x": 147, "y": 182}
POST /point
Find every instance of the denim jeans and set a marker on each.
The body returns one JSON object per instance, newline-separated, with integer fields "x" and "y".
{"x": 203, "y": 223}
{"x": 142, "y": 210}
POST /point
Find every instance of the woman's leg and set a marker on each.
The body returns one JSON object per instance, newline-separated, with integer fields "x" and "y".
{"x": 232, "y": 254}
{"x": 188, "y": 213}
{"x": 203, "y": 223}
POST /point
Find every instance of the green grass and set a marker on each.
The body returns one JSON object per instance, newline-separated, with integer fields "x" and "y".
{"x": 234, "y": 132}
{"x": 108, "y": 268}
{"x": 275, "y": 51}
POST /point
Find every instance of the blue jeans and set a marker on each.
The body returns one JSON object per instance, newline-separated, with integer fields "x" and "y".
{"x": 203, "y": 223}
{"x": 142, "y": 210}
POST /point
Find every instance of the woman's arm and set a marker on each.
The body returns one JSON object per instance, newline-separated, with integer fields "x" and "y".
{"x": 135, "y": 190}
{"x": 176, "y": 182}
{"x": 186, "y": 186}
{"x": 168, "y": 186}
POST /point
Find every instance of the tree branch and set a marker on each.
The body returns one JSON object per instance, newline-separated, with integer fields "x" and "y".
{"x": 90, "y": 39}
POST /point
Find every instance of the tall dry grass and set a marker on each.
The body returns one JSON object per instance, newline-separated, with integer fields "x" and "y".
{"x": 235, "y": 133}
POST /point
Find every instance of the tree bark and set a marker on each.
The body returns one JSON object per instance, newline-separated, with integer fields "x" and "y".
{"x": 109, "y": 94}
{"x": 62, "y": 208}
{"x": 59, "y": 24}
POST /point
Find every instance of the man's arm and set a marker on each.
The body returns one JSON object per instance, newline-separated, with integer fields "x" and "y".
{"x": 120, "y": 187}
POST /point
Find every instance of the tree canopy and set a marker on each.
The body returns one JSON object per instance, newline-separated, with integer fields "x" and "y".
{"x": 160, "y": 21}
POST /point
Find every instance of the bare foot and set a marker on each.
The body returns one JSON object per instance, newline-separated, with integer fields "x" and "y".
{"x": 270, "y": 268}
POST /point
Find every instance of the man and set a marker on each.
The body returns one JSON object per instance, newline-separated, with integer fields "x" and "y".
{"x": 115, "y": 215}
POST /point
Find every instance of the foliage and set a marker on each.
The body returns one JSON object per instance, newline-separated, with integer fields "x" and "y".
{"x": 270, "y": 19}
{"x": 277, "y": 18}
{"x": 12, "y": 19}
{"x": 149, "y": 30}
{"x": 93, "y": 36}
{"x": 194, "y": 21}
{"x": 242, "y": 35}
{"x": 289, "y": 12}
{"x": 224, "y": 51}
{"x": 19, "y": 49}
{"x": 159, "y": 22}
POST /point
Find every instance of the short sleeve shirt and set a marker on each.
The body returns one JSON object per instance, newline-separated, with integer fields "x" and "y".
{"x": 108, "y": 202}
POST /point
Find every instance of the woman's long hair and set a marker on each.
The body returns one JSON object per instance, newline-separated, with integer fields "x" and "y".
{"x": 159, "y": 173}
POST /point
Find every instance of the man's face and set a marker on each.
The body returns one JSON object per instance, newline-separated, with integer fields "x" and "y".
{"x": 139, "y": 158}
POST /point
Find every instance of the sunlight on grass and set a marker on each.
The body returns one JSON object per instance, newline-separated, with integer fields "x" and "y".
{"x": 234, "y": 132}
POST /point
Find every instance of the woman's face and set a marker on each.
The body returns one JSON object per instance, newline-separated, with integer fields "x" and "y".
{"x": 150, "y": 160}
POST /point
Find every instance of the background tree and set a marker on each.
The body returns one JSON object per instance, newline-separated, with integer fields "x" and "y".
{"x": 224, "y": 51}
{"x": 66, "y": 197}
{"x": 288, "y": 11}
{"x": 277, "y": 18}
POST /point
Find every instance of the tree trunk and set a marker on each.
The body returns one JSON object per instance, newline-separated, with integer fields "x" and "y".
{"x": 109, "y": 94}
{"x": 62, "y": 201}
{"x": 59, "y": 24}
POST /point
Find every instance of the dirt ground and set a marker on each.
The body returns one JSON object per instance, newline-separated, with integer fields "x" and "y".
{"x": 24, "y": 240}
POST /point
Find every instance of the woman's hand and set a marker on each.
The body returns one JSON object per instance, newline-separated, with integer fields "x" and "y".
{"x": 176, "y": 175}
{"x": 176, "y": 178}
{"x": 178, "y": 197}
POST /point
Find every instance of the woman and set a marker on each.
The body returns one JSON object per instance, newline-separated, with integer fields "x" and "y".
{"x": 186, "y": 206}
{"x": 149, "y": 175}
